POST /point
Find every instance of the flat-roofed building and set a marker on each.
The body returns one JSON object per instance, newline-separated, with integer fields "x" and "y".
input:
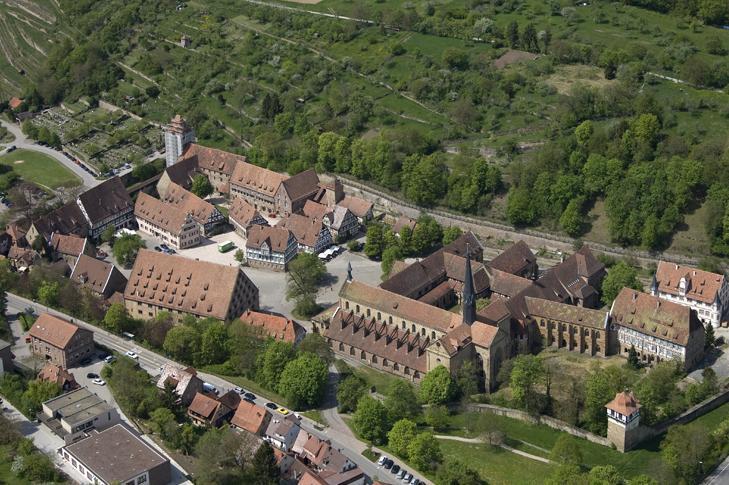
{"x": 658, "y": 329}
{"x": 60, "y": 342}
{"x": 166, "y": 222}
{"x": 117, "y": 455}
{"x": 705, "y": 292}
{"x": 182, "y": 286}
{"x": 72, "y": 414}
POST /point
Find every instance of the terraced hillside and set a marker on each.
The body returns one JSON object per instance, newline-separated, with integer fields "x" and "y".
{"x": 28, "y": 30}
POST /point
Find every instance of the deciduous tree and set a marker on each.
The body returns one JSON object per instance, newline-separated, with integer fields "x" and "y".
{"x": 437, "y": 386}
{"x": 304, "y": 380}
{"x": 400, "y": 436}
{"x": 370, "y": 420}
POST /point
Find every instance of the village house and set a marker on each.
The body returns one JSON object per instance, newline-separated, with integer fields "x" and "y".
{"x": 204, "y": 213}
{"x": 67, "y": 219}
{"x": 185, "y": 382}
{"x": 243, "y": 216}
{"x": 658, "y": 329}
{"x": 312, "y": 235}
{"x": 181, "y": 286}
{"x": 101, "y": 278}
{"x": 705, "y": 292}
{"x": 277, "y": 327}
{"x": 60, "y": 342}
{"x": 517, "y": 260}
{"x": 251, "y": 417}
{"x": 117, "y": 456}
{"x": 340, "y": 221}
{"x": 21, "y": 259}
{"x": 326, "y": 461}
{"x": 361, "y": 208}
{"x": 281, "y": 432}
{"x": 107, "y": 204}
{"x": 69, "y": 248}
{"x": 72, "y": 415}
{"x": 257, "y": 185}
{"x": 59, "y": 376}
{"x": 293, "y": 192}
{"x": 206, "y": 410}
{"x": 270, "y": 247}
{"x": 166, "y": 222}
{"x": 402, "y": 222}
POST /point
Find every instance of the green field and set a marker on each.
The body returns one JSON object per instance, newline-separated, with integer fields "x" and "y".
{"x": 39, "y": 169}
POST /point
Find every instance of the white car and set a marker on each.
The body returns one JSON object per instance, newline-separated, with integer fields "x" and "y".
{"x": 99, "y": 381}
{"x": 131, "y": 354}
{"x": 382, "y": 460}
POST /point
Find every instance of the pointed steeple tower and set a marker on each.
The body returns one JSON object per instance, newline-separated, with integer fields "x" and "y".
{"x": 469, "y": 297}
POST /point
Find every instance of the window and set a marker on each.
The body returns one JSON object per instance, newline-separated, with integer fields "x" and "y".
{"x": 379, "y": 317}
{"x": 142, "y": 479}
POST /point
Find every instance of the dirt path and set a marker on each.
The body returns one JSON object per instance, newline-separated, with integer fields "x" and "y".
{"x": 505, "y": 447}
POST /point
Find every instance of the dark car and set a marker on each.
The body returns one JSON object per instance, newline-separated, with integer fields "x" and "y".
{"x": 91, "y": 375}
{"x": 157, "y": 248}
{"x": 271, "y": 405}
{"x": 395, "y": 469}
{"x": 86, "y": 361}
{"x": 388, "y": 464}
{"x": 249, "y": 396}
{"x": 164, "y": 247}
{"x": 103, "y": 355}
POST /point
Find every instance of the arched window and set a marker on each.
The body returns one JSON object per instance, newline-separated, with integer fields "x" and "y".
{"x": 407, "y": 370}
{"x": 341, "y": 347}
{"x": 413, "y": 328}
{"x": 432, "y": 334}
{"x": 396, "y": 366}
{"x": 346, "y": 305}
{"x": 422, "y": 332}
{"x": 416, "y": 375}
{"x": 390, "y": 319}
{"x": 379, "y": 316}
{"x": 403, "y": 324}
{"x": 384, "y": 362}
{"x": 368, "y": 312}
{"x": 374, "y": 359}
{"x": 357, "y": 310}
{"x": 351, "y": 351}
{"x": 363, "y": 355}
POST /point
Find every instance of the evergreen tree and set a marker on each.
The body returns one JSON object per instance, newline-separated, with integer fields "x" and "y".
{"x": 265, "y": 470}
{"x": 633, "y": 361}
{"x": 710, "y": 338}
{"x": 512, "y": 34}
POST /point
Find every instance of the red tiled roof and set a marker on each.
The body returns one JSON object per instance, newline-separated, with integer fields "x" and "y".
{"x": 203, "y": 405}
{"x": 53, "y": 330}
{"x": 357, "y": 205}
{"x": 212, "y": 158}
{"x": 625, "y": 403}
{"x": 257, "y": 179}
{"x": 514, "y": 259}
{"x": 162, "y": 214}
{"x": 701, "y": 285}
{"x": 70, "y": 245}
{"x": 275, "y": 326}
{"x": 249, "y": 417}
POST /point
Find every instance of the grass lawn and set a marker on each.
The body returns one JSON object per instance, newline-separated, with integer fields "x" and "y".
{"x": 315, "y": 415}
{"x": 40, "y": 169}
{"x": 379, "y": 380}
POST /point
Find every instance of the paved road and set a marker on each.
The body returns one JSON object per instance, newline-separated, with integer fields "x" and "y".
{"x": 152, "y": 362}
{"x": 21, "y": 141}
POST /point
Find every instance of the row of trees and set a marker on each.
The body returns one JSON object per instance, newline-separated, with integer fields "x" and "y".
{"x": 26, "y": 463}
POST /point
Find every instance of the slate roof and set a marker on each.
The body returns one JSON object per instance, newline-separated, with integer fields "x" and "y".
{"x": 301, "y": 185}
{"x": 107, "y": 199}
{"x": 515, "y": 259}
{"x": 653, "y": 316}
{"x": 701, "y": 285}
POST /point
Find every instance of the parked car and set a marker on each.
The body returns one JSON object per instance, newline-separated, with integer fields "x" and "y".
{"x": 283, "y": 410}
{"x": 158, "y": 249}
{"x": 271, "y": 405}
{"x": 395, "y": 469}
{"x": 164, "y": 247}
{"x": 86, "y": 361}
{"x": 407, "y": 478}
{"x": 249, "y": 396}
{"x": 110, "y": 359}
{"x": 11, "y": 148}
{"x": 401, "y": 474}
{"x": 91, "y": 375}
{"x": 382, "y": 460}
{"x": 388, "y": 464}
{"x": 171, "y": 251}
{"x": 99, "y": 382}
{"x": 239, "y": 390}
{"x": 209, "y": 388}
{"x": 131, "y": 354}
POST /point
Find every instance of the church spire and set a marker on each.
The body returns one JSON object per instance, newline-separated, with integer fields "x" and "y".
{"x": 469, "y": 298}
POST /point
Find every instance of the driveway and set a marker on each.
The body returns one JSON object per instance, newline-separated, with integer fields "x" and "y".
{"x": 21, "y": 141}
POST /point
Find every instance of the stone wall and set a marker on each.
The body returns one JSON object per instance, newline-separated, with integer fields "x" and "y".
{"x": 693, "y": 412}
{"x": 545, "y": 420}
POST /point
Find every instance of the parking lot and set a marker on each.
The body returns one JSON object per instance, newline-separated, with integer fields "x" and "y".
{"x": 272, "y": 284}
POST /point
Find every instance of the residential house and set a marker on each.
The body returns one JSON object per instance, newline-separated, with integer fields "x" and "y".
{"x": 705, "y": 292}
{"x": 251, "y": 417}
{"x": 118, "y": 455}
{"x": 102, "y": 278}
{"x": 165, "y": 221}
{"x": 182, "y": 286}
{"x": 6, "y": 357}
{"x": 658, "y": 329}
{"x": 15, "y": 103}
{"x": 329, "y": 463}
{"x": 67, "y": 219}
{"x": 72, "y": 415}
{"x": 107, "y": 204}
{"x": 402, "y": 222}
{"x": 60, "y": 342}
{"x": 281, "y": 432}
{"x": 293, "y": 192}
{"x": 270, "y": 247}
{"x": 185, "y": 382}
{"x": 275, "y": 326}
{"x": 58, "y": 375}
{"x": 312, "y": 235}
{"x": 330, "y": 193}
{"x": 205, "y": 410}
{"x": 340, "y": 221}
{"x": 257, "y": 185}
{"x": 17, "y": 235}
{"x": 243, "y": 216}
{"x": 360, "y": 207}
{"x": 202, "y": 212}
{"x": 22, "y": 258}
{"x": 68, "y": 248}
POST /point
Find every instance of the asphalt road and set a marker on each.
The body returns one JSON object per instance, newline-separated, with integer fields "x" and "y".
{"x": 21, "y": 141}
{"x": 152, "y": 362}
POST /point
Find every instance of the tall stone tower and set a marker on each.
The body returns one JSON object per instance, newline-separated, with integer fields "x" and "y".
{"x": 178, "y": 134}
{"x": 469, "y": 297}
{"x": 623, "y": 414}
